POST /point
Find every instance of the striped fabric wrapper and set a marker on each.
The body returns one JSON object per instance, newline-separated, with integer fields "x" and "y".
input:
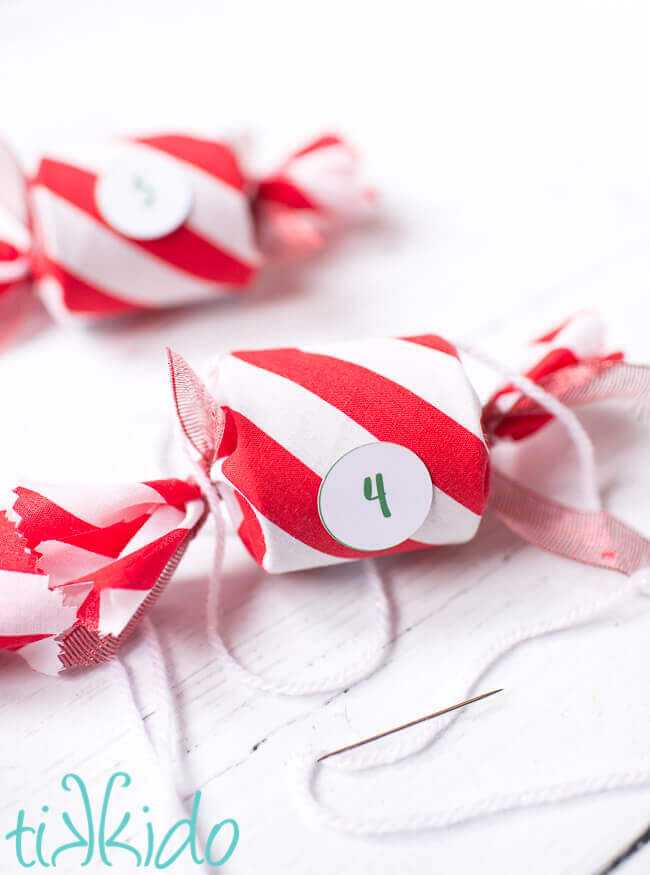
{"x": 291, "y": 413}
{"x": 580, "y": 339}
{"x": 84, "y": 267}
{"x": 78, "y": 570}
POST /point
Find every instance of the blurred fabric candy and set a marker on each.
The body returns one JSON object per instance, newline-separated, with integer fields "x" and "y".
{"x": 163, "y": 221}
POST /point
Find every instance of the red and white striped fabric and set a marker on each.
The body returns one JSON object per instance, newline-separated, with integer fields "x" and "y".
{"x": 291, "y": 413}
{"x": 85, "y": 267}
{"x": 78, "y": 571}
{"x": 316, "y": 189}
{"x": 580, "y": 339}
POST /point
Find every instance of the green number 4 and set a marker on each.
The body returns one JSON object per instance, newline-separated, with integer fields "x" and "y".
{"x": 381, "y": 493}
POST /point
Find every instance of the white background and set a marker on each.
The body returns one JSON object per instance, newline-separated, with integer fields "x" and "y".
{"x": 511, "y": 144}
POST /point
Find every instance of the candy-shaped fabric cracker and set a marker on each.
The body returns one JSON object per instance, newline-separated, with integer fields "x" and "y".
{"x": 322, "y": 455}
{"x": 162, "y": 221}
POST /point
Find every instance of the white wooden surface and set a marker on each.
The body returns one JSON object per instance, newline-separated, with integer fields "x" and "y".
{"x": 511, "y": 144}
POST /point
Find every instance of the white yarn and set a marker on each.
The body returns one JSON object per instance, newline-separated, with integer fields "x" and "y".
{"x": 641, "y": 412}
{"x": 161, "y": 754}
{"x": 166, "y": 705}
{"x": 412, "y": 742}
{"x": 481, "y": 807}
{"x": 564, "y": 415}
{"x": 364, "y": 664}
{"x": 159, "y": 757}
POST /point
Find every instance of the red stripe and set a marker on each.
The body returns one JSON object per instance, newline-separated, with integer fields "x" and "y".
{"x": 139, "y": 570}
{"x": 457, "y": 460}
{"x": 250, "y": 530}
{"x": 229, "y": 439}
{"x": 183, "y": 248}
{"x": 88, "y": 613}
{"x": 289, "y": 496}
{"x": 519, "y": 427}
{"x": 43, "y": 520}
{"x": 175, "y": 492}
{"x": 279, "y": 190}
{"x": 321, "y": 143}
{"x": 550, "y": 336}
{"x": 433, "y": 341}
{"x": 552, "y": 361}
{"x": 111, "y": 540}
{"x": 8, "y": 252}
{"x": 80, "y": 297}
{"x": 15, "y": 642}
{"x": 15, "y": 555}
{"x": 216, "y": 159}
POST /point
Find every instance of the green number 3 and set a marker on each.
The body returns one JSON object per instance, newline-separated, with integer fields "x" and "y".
{"x": 381, "y": 493}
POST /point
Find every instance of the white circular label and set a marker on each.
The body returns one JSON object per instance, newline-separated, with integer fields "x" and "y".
{"x": 375, "y": 496}
{"x": 144, "y": 197}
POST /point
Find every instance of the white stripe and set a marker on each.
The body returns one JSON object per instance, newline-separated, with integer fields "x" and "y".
{"x": 448, "y": 522}
{"x": 14, "y": 271}
{"x": 50, "y": 291}
{"x": 65, "y": 562}
{"x": 13, "y": 197}
{"x": 48, "y": 288}
{"x": 13, "y": 231}
{"x": 29, "y": 607}
{"x": 285, "y": 553}
{"x": 318, "y": 434}
{"x": 43, "y": 656}
{"x": 109, "y": 263}
{"x": 436, "y": 377}
{"x": 163, "y": 520}
{"x": 220, "y": 213}
{"x": 117, "y": 607}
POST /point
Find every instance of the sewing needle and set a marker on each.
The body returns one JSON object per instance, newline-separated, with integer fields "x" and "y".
{"x": 407, "y": 725}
